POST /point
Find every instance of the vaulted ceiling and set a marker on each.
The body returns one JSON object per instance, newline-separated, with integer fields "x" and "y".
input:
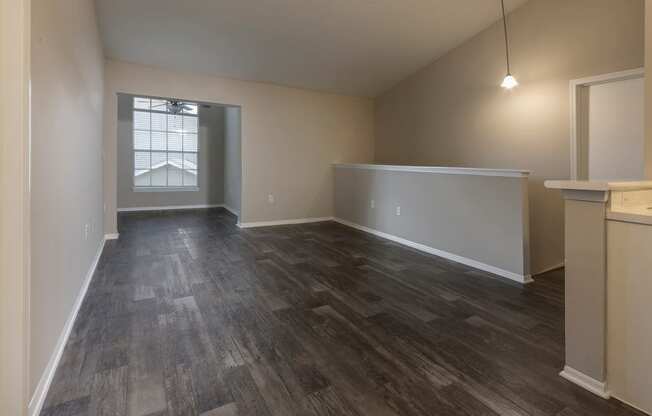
{"x": 355, "y": 47}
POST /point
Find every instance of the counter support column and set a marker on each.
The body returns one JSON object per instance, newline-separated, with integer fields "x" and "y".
{"x": 586, "y": 285}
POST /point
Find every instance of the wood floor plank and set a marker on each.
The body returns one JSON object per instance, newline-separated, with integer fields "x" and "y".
{"x": 146, "y": 388}
{"x": 77, "y": 407}
{"x": 230, "y": 409}
{"x": 328, "y": 402}
{"x": 188, "y": 314}
{"x": 109, "y": 393}
{"x": 245, "y": 393}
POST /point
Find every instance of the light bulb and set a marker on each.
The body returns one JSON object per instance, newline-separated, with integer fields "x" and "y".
{"x": 509, "y": 82}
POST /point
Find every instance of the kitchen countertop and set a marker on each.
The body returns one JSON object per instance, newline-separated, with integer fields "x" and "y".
{"x": 638, "y": 215}
{"x": 599, "y": 185}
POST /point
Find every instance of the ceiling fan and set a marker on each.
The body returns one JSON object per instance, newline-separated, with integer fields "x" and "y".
{"x": 175, "y": 106}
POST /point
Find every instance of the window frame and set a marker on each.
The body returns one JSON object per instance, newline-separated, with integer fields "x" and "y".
{"x": 133, "y": 150}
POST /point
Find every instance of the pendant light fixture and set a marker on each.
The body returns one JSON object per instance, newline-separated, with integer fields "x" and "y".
{"x": 509, "y": 82}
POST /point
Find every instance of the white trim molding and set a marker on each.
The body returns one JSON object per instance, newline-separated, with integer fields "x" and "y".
{"x": 596, "y": 387}
{"x": 15, "y": 249}
{"x": 113, "y": 236}
{"x": 579, "y": 118}
{"x": 169, "y": 208}
{"x": 38, "y": 398}
{"x": 231, "y": 210}
{"x": 633, "y": 406}
{"x": 551, "y": 268}
{"x": 165, "y": 189}
{"x": 524, "y": 279}
{"x": 283, "y": 222}
{"x": 507, "y": 173}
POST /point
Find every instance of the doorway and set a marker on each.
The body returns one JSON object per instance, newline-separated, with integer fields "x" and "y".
{"x": 607, "y": 127}
{"x": 177, "y": 154}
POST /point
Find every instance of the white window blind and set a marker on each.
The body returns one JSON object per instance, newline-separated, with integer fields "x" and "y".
{"x": 166, "y": 146}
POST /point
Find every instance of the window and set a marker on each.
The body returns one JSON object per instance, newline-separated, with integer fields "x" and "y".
{"x": 166, "y": 149}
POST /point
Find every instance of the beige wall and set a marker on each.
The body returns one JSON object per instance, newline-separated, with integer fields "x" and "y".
{"x": 453, "y": 112}
{"x": 66, "y": 160}
{"x": 289, "y": 136}
{"x": 211, "y": 162}
{"x": 648, "y": 89}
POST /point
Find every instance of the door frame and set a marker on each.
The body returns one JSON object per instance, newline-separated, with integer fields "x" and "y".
{"x": 579, "y": 96}
{"x": 14, "y": 206}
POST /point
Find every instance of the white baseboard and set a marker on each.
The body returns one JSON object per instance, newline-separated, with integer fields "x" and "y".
{"x": 594, "y": 386}
{"x": 646, "y": 412}
{"x": 282, "y": 222}
{"x": 551, "y": 268}
{"x": 440, "y": 253}
{"x": 231, "y": 210}
{"x": 38, "y": 398}
{"x": 169, "y": 208}
{"x": 113, "y": 236}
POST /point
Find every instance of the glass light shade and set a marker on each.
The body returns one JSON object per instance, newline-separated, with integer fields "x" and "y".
{"x": 509, "y": 82}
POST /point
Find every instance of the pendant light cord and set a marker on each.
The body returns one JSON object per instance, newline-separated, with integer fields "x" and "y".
{"x": 502, "y": 3}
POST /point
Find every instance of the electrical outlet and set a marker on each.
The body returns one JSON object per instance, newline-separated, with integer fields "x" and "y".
{"x": 372, "y": 204}
{"x": 86, "y": 229}
{"x": 398, "y": 210}
{"x": 270, "y": 198}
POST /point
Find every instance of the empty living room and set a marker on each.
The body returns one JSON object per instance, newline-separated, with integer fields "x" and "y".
{"x": 324, "y": 208}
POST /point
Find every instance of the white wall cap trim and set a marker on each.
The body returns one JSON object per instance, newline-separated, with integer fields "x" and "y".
{"x": 508, "y": 173}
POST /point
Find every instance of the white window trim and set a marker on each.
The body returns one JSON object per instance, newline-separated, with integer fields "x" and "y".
{"x": 174, "y": 188}
{"x": 166, "y": 188}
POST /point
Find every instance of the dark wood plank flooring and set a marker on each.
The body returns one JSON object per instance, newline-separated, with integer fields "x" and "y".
{"x": 189, "y": 315}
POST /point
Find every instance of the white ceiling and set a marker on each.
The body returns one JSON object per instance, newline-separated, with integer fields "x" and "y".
{"x": 356, "y": 47}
